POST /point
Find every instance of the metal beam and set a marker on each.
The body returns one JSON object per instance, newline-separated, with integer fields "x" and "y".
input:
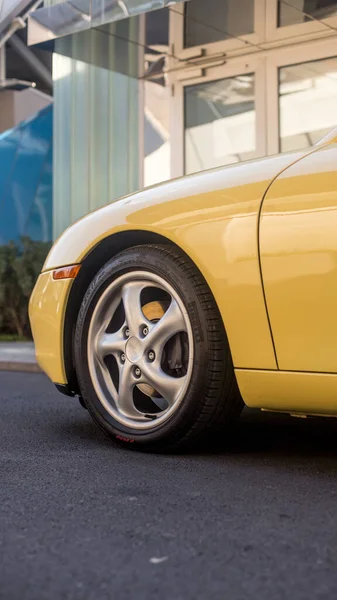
{"x": 31, "y": 60}
{"x": 3, "y": 63}
{"x": 16, "y": 24}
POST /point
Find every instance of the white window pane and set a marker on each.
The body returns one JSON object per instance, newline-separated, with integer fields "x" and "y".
{"x": 219, "y": 123}
{"x": 307, "y": 102}
{"x": 156, "y": 133}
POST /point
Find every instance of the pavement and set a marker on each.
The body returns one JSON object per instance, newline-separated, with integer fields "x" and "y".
{"x": 251, "y": 517}
{"x": 18, "y": 356}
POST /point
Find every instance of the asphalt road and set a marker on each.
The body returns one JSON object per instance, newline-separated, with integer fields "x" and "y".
{"x": 82, "y": 519}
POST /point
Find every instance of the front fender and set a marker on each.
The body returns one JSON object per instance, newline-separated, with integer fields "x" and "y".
{"x": 213, "y": 218}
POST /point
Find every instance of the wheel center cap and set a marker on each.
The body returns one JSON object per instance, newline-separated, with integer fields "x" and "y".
{"x": 134, "y": 349}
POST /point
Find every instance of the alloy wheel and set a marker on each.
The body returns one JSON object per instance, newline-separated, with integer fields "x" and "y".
{"x": 140, "y": 349}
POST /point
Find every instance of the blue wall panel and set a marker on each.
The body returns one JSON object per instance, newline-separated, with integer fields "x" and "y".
{"x": 26, "y": 179}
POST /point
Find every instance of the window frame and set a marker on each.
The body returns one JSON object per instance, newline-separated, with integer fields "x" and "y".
{"x": 308, "y": 52}
{"x": 176, "y": 28}
{"x": 237, "y": 67}
{"x": 224, "y": 60}
{"x": 310, "y": 29}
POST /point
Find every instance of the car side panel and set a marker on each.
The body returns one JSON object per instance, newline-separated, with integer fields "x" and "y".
{"x": 47, "y": 312}
{"x": 213, "y": 217}
{"x": 298, "y": 243}
{"x": 289, "y": 391}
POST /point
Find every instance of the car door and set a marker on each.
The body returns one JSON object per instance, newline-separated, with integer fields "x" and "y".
{"x": 298, "y": 250}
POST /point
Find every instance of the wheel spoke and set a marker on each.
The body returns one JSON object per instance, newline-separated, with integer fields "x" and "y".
{"x": 107, "y": 312}
{"x": 172, "y": 322}
{"x": 167, "y": 386}
{"x": 132, "y": 306}
{"x": 111, "y": 343}
{"x": 124, "y": 400}
{"x": 104, "y": 373}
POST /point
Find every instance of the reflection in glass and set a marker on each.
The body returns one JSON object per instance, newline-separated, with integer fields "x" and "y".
{"x": 219, "y": 123}
{"x": 307, "y": 102}
{"x": 208, "y": 21}
{"x": 10, "y": 6}
{"x": 156, "y": 99}
{"x": 156, "y": 133}
{"x": 96, "y": 127}
{"x": 52, "y": 2}
{"x": 108, "y": 11}
{"x": 300, "y": 11}
{"x": 57, "y": 18}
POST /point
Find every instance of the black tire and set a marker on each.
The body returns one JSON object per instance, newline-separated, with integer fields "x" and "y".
{"x": 212, "y": 400}
{"x": 81, "y": 401}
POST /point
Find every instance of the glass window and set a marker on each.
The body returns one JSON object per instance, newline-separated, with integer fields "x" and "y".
{"x": 208, "y": 21}
{"x": 219, "y": 123}
{"x": 307, "y": 102}
{"x": 156, "y": 133}
{"x": 156, "y": 99}
{"x": 300, "y": 11}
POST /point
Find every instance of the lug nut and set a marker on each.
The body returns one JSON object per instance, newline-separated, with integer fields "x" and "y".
{"x": 127, "y": 332}
{"x": 138, "y": 372}
{"x": 145, "y": 331}
{"x": 123, "y": 357}
{"x": 151, "y": 355}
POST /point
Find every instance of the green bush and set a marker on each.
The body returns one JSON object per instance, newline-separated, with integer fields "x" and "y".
{"x": 20, "y": 265}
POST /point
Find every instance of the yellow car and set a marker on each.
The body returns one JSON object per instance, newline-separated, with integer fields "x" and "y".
{"x": 170, "y": 309}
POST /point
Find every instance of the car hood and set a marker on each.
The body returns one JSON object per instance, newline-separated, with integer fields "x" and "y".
{"x": 168, "y": 206}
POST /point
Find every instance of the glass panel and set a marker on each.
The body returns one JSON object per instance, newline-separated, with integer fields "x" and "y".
{"x": 156, "y": 133}
{"x": 108, "y": 11}
{"x": 219, "y": 123}
{"x": 12, "y": 6}
{"x": 213, "y": 21}
{"x": 9, "y": 9}
{"x": 96, "y": 130}
{"x": 58, "y": 18}
{"x": 301, "y": 11}
{"x": 52, "y": 2}
{"x": 156, "y": 99}
{"x": 5, "y": 7}
{"x": 307, "y": 102}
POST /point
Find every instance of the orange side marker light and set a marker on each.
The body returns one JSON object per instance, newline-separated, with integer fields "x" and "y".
{"x": 66, "y": 272}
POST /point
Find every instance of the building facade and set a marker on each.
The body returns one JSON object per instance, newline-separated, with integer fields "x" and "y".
{"x": 148, "y": 90}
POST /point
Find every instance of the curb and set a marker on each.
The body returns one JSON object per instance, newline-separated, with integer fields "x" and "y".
{"x": 23, "y": 367}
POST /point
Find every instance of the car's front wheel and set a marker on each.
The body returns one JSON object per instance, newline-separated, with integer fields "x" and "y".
{"x": 151, "y": 353}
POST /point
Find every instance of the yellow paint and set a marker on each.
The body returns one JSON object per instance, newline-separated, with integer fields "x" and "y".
{"x": 285, "y": 391}
{"x": 46, "y": 312}
{"x": 298, "y": 247}
{"x": 213, "y": 217}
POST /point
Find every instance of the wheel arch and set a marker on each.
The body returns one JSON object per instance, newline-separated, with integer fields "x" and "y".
{"x": 92, "y": 263}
